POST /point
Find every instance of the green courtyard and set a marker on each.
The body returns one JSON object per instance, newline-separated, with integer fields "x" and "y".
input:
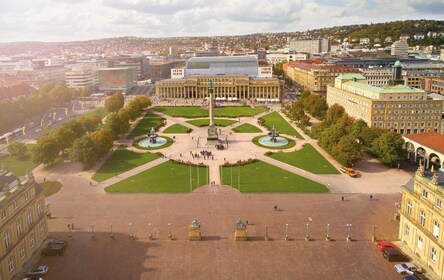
{"x": 148, "y": 121}
{"x": 199, "y": 112}
{"x": 261, "y": 177}
{"x": 168, "y": 177}
{"x": 206, "y": 122}
{"x": 19, "y": 167}
{"x": 121, "y": 161}
{"x": 177, "y": 129}
{"x": 247, "y": 128}
{"x": 307, "y": 158}
{"x": 280, "y": 124}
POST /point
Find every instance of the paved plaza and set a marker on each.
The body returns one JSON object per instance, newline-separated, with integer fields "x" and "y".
{"x": 217, "y": 208}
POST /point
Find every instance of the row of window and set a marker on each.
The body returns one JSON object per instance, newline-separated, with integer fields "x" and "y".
{"x": 15, "y": 205}
{"x": 21, "y": 249}
{"x": 417, "y": 105}
{"x": 433, "y": 252}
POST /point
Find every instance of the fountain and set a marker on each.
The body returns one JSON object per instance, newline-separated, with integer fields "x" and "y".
{"x": 273, "y": 139}
{"x": 153, "y": 140}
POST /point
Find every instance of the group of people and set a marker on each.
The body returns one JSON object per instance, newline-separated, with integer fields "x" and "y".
{"x": 204, "y": 154}
{"x": 219, "y": 146}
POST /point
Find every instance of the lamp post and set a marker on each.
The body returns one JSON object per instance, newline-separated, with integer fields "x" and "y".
{"x": 69, "y": 231}
{"x": 150, "y": 235}
{"x": 131, "y": 231}
{"x": 266, "y": 233}
{"x": 111, "y": 234}
{"x": 327, "y": 237}
{"x": 374, "y": 232}
{"x": 348, "y": 237}
{"x": 307, "y": 237}
{"x": 170, "y": 236}
{"x": 92, "y": 230}
{"x": 48, "y": 213}
{"x": 397, "y": 207}
{"x": 286, "y": 232}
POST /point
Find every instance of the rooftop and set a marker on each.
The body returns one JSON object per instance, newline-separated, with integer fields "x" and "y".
{"x": 432, "y": 140}
{"x": 385, "y": 90}
{"x": 222, "y": 65}
{"x": 351, "y": 76}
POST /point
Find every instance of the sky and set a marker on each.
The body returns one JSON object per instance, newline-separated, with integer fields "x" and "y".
{"x": 72, "y": 20}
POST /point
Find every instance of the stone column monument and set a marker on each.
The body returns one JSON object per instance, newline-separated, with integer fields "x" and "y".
{"x": 212, "y": 130}
{"x": 240, "y": 231}
{"x": 194, "y": 231}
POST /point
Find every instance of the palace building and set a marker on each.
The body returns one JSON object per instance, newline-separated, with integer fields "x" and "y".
{"x": 234, "y": 78}
{"x": 23, "y": 226}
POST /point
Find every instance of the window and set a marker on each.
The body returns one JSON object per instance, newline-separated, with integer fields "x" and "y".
{"x": 419, "y": 242}
{"x": 7, "y": 238}
{"x": 406, "y": 230}
{"x": 422, "y": 217}
{"x": 29, "y": 217}
{"x": 19, "y": 228}
{"x": 22, "y": 252}
{"x": 39, "y": 209}
{"x": 4, "y": 214}
{"x": 433, "y": 254}
{"x": 438, "y": 203}
{"x": 424, "y": 193}
{"x": 42, "y": 230}
{"x": 11, "y": 264}
{"x": 27, "y": 195}
{"x": 31, "y": 241}
{"x": 435, "y": 229}
{"x": 16, "y": 204}
{"x": 409, "y": 207}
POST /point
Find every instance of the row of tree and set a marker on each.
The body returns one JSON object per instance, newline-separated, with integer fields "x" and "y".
{"x": 314, "y": 104}
{"x": 87, "y": 139}
{"x": 17, "y": 111}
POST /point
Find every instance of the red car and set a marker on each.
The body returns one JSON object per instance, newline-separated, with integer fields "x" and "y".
{"x": 385, "y": 244}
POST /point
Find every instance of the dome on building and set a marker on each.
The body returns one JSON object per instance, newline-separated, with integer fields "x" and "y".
{"x": 398, "y": 63}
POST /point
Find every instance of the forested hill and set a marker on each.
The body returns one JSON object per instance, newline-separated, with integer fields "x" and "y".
{"x": 432, "y": 29}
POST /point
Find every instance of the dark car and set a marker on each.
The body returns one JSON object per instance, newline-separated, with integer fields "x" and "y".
{"x": 38, "y": 270}
{"x": 54, "y": 249}
{"x": 393, "y": 255}
{"x": 60, "y": 242}
{"x": 415, "y": 277}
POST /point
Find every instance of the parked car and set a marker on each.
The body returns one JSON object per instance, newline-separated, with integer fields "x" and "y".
{"x": 33, "y": 278}
{"x": 38, "y": 270}
{"x": 60, "y": 242}
{"x": 415, "y": 277}
{"x": 407, "y": 268}
{"x": 349, "y": 171}
{"x": 385, "y": 244}
{"x": 393, "y": 255}
{"x": 54, "y": 249}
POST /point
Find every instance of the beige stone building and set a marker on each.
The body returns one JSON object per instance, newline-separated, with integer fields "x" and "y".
{"x": 316, "y": 77}
{"x": 422, "y": 220}
{"x": 435, "y": 85}
{"x": 397, "y": 108}
{"x": 23, "y": 225}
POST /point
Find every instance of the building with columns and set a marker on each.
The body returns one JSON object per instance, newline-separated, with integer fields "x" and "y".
{"x": 234, "y": 78}
{"x": 427, "y": 147}
{"x": 23, "y": 227}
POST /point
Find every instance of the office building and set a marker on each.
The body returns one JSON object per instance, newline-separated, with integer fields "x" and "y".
{"x": 310, "y": 46}
{"x": 435, "y": 85}
{"x": 141, "y": 64}
{"x": 400, "y": 48}
{"x": 23, "y": 223}
{"x": 377, "y": 77}
{"x": 82, "y": 76}
{"x": 121, "y": 79}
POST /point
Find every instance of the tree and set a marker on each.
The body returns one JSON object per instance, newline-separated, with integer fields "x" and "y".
{"x": 90, "y": 123}
{"x": 346, "y": 122}
{"x": 357, "y": 129}
{"x": 334, "y": 113}
{"x": 278, "y": 68}
{"x": 369, "y": 134}
{"x": 46, "y": 151}
{"x": 318, "y": 129}
{"x": 17, "y": 150}
{"x": 347, "y": 151}
{"x": 63, "y": 137}
{"x": 85, "y": 151}
{"x": 115, "y": 102}
{"x": 116, "y": 125}
{"x": 389, "y": 147}
{"x": 103, "y": 139}
{"x": 330, "y": 137}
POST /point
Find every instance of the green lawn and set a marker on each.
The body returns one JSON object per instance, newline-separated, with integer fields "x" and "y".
{"x": 308, "y": 159}
{"x": 247, "y": 128}
{"x": 168, "y": 177}
{"x": 146, "y": 123}
{"x": 206, "y": 122}
{"x": 280, "y": 124}
{"x": 199, "y": 112}
{"x": 291, "y": 143}
{"x": 121, "y": 161}
{"x": 177, "y": 128}
{"x": 50, "y": 187}
{"x": 19, "y": 167}
{"x": 263, "y": 177}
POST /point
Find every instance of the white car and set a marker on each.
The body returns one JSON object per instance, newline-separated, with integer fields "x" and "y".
{"x": 38, "y": 270}
{"x": 407, "y": 268}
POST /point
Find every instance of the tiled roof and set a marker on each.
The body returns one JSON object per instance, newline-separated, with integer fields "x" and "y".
{"x": 432, "y": 140}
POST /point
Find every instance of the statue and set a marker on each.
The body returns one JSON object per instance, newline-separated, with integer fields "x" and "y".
{"x": 240, "y": 224}
{"x": 273, "y": 135}
{"x": 434, "y": 179}
{"x": 152, "y": 135}
{"x": 420, "y": 171}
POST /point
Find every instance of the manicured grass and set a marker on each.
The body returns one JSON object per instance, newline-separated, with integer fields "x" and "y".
{"x": 19, "y": 167}
{"x": 199, "y": 112}
{"x": 168, "y": 177}
{"x": 50, "y": 187}
{"x": 246, "y": 128}
{"x": 168, "y": 143}
{"x": 263, "y": 177}
{"x": 100, "y": 111}
{"x": 291, "y": 143}
{"x": 206, "y": 122}
{"x": 121, "y": 161}
{"x": 280, "y": 124}
{"x": 149, "y": 121}
{"x": 177, "y": 128}
{"x": 308, "y": 159}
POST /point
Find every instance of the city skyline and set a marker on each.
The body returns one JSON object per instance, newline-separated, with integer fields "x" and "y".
{"x": 62, "y": 20}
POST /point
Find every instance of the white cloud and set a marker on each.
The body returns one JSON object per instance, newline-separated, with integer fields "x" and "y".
{"x": 63, "y": 20}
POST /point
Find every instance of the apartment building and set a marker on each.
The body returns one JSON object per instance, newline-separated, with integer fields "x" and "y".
{"x": 400, "y": 48}
{"x": 435, "y": 85}
{"x": 23, "y": 222}
{"x": 82, "y": 76}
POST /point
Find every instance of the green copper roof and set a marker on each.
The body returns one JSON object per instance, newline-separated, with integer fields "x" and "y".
{"x": 385, "y": 90}
{"x": 397, "y": 63}
{"x": 350, "y": 76}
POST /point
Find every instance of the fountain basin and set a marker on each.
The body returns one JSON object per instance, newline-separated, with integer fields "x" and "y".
{"x": 146, "y": 143}
{"x": 266, "y": 141}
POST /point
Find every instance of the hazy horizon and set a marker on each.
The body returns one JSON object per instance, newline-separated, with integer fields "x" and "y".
{"x": 63, "y": 21}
